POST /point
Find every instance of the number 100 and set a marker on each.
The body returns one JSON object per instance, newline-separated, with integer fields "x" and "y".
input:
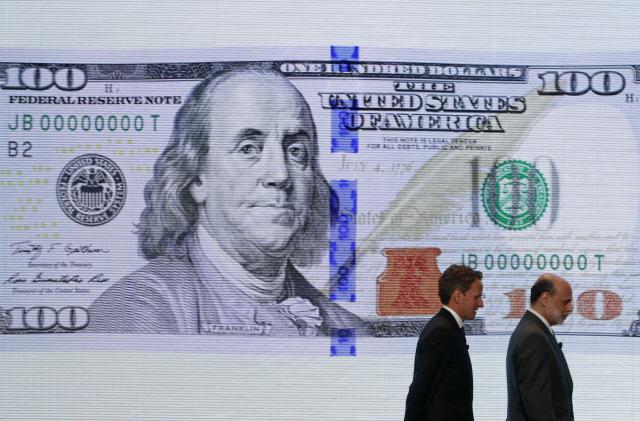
{"x": 578, "y": 83}
{"x": 46, "y": 318}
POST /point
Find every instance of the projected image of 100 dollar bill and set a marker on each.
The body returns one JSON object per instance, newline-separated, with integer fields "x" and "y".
{"x": 294, "y": 198}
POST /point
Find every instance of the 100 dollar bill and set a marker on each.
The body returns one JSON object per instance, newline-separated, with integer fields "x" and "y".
{"x": 308, "y": 197}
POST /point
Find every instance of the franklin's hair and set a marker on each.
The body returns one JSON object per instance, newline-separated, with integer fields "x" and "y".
{"x": 171, "y": 214}
{"x": 456, "y": 277}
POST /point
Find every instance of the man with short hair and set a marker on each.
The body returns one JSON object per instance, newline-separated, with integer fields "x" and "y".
{"x": 539, "y": 383}
{"x": 442, "y": 386}
{"x": 237, "y": 198}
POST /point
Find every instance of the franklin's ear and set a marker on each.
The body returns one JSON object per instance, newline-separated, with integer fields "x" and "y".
{"x": 198, "y": 191}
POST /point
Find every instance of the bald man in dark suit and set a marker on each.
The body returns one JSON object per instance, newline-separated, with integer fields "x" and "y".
{"x": 539, "y": 383}
{"x": 442, "y": 386}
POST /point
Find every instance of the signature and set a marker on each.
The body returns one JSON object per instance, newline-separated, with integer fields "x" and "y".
{"x": 35, "y": 250}
{"x": 18, "y": 278}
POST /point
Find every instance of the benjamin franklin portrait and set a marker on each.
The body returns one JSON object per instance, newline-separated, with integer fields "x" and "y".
{"x": 236, "y": 204}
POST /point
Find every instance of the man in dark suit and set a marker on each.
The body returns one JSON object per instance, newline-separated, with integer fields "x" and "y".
{"x": 538, "y": 379}
{"x": 442, "y": 386}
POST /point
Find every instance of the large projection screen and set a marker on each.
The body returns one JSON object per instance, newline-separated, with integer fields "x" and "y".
{"x": 240, "y": 210}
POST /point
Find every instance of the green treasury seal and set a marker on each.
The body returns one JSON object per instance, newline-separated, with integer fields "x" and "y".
{"x": 515, "y": 195}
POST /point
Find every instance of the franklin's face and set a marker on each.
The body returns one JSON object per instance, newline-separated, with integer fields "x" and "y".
{"x": 257, "y": 183}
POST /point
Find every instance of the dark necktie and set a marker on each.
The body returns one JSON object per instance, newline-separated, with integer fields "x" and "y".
{"x": 559, "y": 344}
{"x": 464, "y": 338}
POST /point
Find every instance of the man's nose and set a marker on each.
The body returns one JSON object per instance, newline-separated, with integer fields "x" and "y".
{"x": 275, "y": 167}
{"x": 480, "y": 302}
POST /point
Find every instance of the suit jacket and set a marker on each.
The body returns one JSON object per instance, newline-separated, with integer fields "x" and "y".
{"x": 190, "y": 296}
{"x": 539, "y": 383}
{"x": 442, "y": 387}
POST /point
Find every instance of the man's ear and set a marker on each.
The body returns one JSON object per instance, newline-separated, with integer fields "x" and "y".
{"x": 456, "y": 296}
{"x": 544, "y": 299}
{"x": 198, "y": 190}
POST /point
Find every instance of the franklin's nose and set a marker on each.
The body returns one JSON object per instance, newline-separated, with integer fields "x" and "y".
{"x": 275, "y": 168}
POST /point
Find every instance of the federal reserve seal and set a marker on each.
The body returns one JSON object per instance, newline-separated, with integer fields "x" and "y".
{"x": 91, "y": 189}
{"x": 515, "y": 195}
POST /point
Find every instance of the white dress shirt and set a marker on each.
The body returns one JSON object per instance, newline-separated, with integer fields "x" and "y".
{"x": 455, "y": 315}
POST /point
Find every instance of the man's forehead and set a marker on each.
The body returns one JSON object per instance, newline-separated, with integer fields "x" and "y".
{"x": 255, "y": 86}
{"x": 259, "y": 104}
{"x": 258, "y": 96}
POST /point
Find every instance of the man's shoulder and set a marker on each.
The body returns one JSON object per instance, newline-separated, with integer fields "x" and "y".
{"x": 439, "y": 332}
{"x": 142, "y": 301}
{"x": 442, "y": 320}
{"x": 529, "y": 331}
{"x": 439, "y": 325}
{"x": 161, "y": 277}
{"x": 530, "y": 324}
